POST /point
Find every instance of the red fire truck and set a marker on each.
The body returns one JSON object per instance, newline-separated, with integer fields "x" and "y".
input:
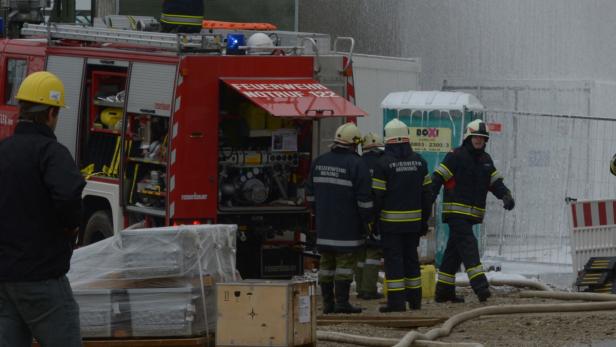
{"x": 173, "y": 129}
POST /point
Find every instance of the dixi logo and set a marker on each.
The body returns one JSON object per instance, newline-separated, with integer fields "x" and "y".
{"x": 427, "y": 132}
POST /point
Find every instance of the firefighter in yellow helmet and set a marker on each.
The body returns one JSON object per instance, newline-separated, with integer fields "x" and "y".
{"x": 40, "y": 211}
{"x": 339, "y": 192}
{"x": 369, "y": 258}
{"x": 183, "y": 16}
{"x": 467, "y": 173}
{"x": 403, "y": 200}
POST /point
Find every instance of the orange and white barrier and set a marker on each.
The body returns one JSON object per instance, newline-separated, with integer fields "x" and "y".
{"x": 593, "y": 230}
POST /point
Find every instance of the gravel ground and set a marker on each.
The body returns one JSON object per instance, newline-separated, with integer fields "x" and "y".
{"x": 596, "y": 329}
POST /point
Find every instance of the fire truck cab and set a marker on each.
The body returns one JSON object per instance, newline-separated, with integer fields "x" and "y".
{"x": 173, "y": 133}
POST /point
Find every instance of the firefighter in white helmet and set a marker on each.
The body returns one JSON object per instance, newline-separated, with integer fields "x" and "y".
{"x": 339, "y": 191}
{"x": 369, "y": 258}
{"x": 403, "y": 199}
{"x": 468, "y": 173}
{"x": 40, "y": 211}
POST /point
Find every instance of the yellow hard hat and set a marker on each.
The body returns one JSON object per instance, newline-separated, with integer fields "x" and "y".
{"x": 110, "y": 116}
{"x": 348, "y": 134}
{"x": 42, "y": 87}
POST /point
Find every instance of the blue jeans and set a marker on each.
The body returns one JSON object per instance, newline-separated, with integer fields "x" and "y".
{"x": 45, "y": 310}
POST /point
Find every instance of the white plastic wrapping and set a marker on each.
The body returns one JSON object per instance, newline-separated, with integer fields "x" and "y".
{"x": 153, "y": 282}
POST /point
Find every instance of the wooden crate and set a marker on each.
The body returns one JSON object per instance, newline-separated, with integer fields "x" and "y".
{"x": 266, "y": 313}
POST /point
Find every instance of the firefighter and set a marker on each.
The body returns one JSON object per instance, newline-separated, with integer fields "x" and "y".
{"x": 40, "y": 211}
{"x": 339, "y": 189}
{"x": 401, "y": 184}
{"x": 184, "y": 16}
{"x": 468, "y": 173}
{"x": 369, "y": 259}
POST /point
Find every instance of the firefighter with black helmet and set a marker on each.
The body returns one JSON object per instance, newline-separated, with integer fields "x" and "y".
{"x": 339, "y": 189}
{"x": 401, "y": 184}
{"x": 183, "y": 16}
{"x": 467, "y": 173}
{"x": 369, "y": 258}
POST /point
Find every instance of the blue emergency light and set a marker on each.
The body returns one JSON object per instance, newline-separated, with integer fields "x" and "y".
{"x": 234, "y": 41}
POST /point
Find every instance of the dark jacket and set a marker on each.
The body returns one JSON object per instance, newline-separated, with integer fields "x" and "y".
{"x": 468, "y": 174}
{"x": 185, "y": 14}
{"x": 401, "y": 184}
{"x": 40, "y": 197}
{"x": 339, "y": 185}
{"x": 371, "y": 158}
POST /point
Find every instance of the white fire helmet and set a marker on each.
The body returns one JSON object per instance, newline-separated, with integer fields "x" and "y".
{"x": 371, "y": 140}
{"x": 348, "y": 134}
{"x": 396, "y": 132}
{"x": 477, "y": 128}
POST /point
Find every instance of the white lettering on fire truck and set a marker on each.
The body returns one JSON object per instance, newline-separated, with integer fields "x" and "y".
{"x": 5, "y": 120}
{"x": 279, "y": 86}
{"x": 194, "y": 196}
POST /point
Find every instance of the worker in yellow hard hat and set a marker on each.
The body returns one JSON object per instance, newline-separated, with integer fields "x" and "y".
{"x": 40, "y": 211}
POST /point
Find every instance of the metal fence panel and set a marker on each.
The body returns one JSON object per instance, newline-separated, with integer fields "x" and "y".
{"x": 545, "y": 158}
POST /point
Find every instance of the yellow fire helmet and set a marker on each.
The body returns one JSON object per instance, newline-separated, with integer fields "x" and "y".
{"x": 371, "y": 140}
{"x": 42, "y": 87}
{"x": 110, "y": 116}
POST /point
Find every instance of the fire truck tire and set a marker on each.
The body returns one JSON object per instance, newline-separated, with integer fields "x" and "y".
{"x": 99, "y": 227}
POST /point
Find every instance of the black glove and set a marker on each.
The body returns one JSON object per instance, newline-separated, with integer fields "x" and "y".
{"x": 424, "y": 229}
{"x": 508, "y": 202}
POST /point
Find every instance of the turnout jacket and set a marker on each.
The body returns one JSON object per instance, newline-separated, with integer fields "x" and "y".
{"x": 40, "y": 197}
{"x": 370, "y": 158}
{"x": 468, "y": 174}
{"x": 401, "y": 184}
{"x": 339, "y": 188}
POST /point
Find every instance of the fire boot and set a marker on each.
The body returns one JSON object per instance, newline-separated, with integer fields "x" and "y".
{"x": 327, "y": 292}
{"x": 483, "y": 294}
{"x": 413, "y": 296}
{"x": 395, "y": 302}
{"x": 445, "y": 294}
{"x": 342, "y": 298}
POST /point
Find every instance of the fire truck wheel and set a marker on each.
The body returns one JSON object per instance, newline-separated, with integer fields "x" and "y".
{"x": 99, "y": 227}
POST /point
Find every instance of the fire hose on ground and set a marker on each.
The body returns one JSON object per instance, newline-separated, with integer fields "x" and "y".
{"x": 415, "y": 338}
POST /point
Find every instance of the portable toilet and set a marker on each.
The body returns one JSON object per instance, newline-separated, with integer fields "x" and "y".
{"x": 437, "y": 121}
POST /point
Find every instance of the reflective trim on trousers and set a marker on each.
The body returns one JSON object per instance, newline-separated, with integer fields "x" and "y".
{"x": 325, "y": 273}
{"x": 475, "y": 271}
{"x": 454, "y": 207}
{"x": 332, "y": 180}
{"x": 310, "y": 198}
{"x": 373, "y": 261}
{"x": 394, "y": 285}
{"x": 360, "y": 264}
{"x": 343, "y": 271}
{"x": 446, "y": 278}
{"x": 444, "y": 172}
{"x": 412, "y": 283}
{"x": 401, "y": 216}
